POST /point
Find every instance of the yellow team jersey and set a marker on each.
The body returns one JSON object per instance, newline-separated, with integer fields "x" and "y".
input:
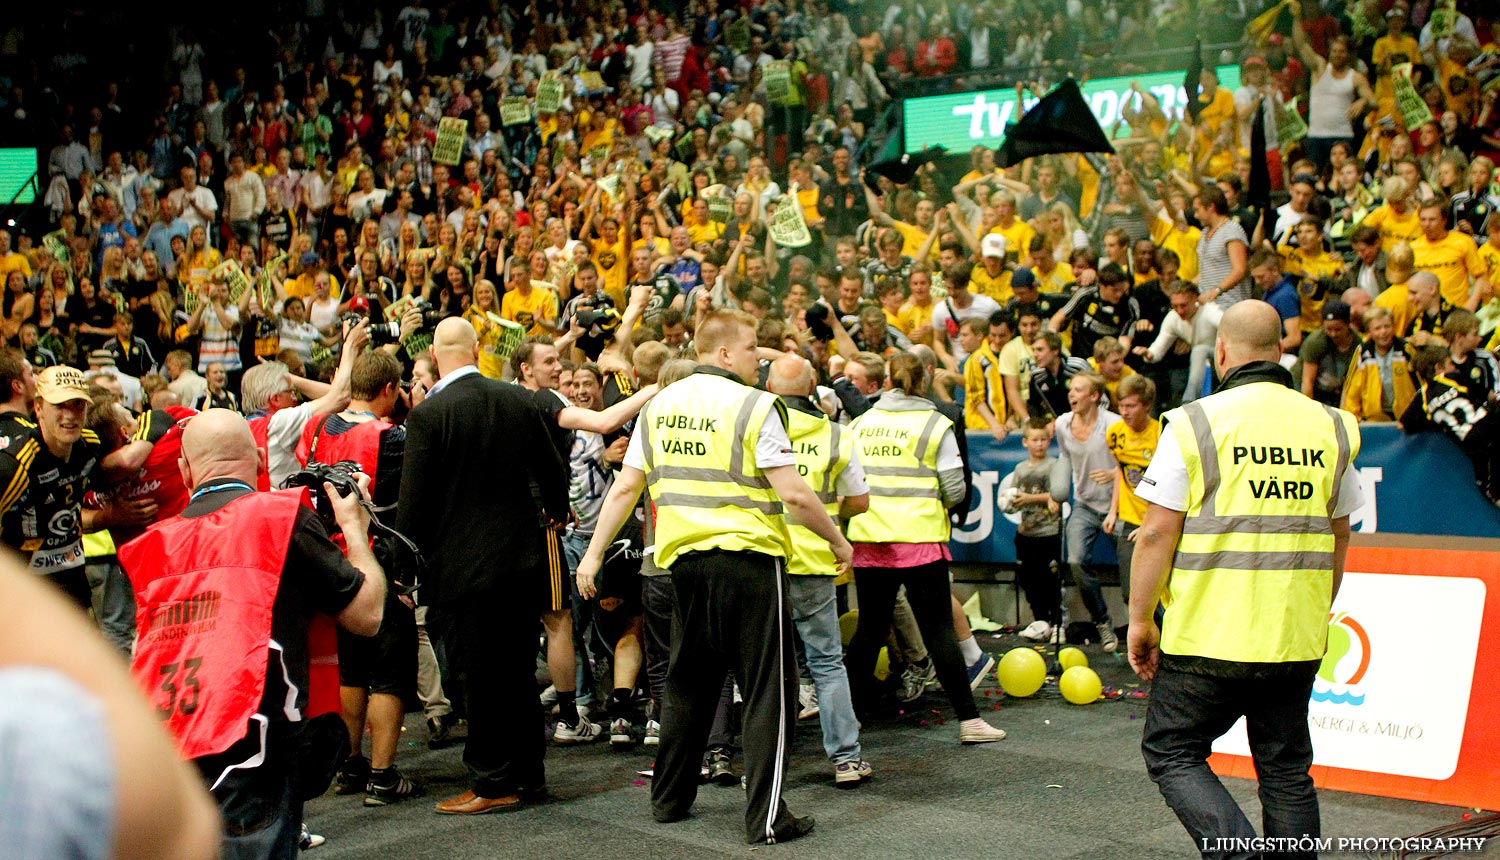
{"x": 1490, "y": 255}
{"x": 710, "y": 232}
{"x": 1182, "y": 242}
{"x": 1133, "y": 451}
{"x": 1018, "y": 238}
{"x": 997, "y": 287}
{"x": 914, "y": 237}
{"x": 1388, "y": 46}
{"x": 529, "y": 310}
{"x": 807, "y": 198}
{"x": 1314, "y": 270}
{"x": 912, "y": 317}
{"x": 1395, "y": 299}
{"x": 659, "y": 244}
{"x": 983, "y": 386}
{"x": 1454, "y": 259}
{"x": 489, "y": 328}
{"x": 1394, "y": 228}
{"x": 1055, "y": 281}
{"x": 614, "y": 266}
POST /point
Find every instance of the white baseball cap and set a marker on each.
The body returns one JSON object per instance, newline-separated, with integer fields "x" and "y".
{"x": 993, "y": 245}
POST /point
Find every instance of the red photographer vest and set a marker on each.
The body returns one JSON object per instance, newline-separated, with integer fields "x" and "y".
{"x": 205, "y": 588}
{"x": 360, "y": 443}
{"x": 260, "y": 428}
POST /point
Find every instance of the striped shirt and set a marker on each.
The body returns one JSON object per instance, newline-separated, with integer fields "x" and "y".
{"x": 1214, "y": 265}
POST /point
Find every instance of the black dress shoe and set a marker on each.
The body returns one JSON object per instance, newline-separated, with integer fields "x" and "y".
{"x": 440, "y": 731}
{"x": 795, "y": 828}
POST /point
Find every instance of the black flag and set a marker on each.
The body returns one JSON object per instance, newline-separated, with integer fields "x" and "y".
{"x": 1192, "y": 82}
{"x": 1060, "y": 122}
{"x": 1258, "y": 195}
{"x": 901, "y": 169}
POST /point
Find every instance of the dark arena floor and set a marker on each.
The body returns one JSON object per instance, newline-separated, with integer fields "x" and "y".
{"x": 1067, "y": 783}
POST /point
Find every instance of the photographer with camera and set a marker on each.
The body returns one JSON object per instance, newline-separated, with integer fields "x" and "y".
{"x": 229, "y": 599}
{"x": 376, "y": 674}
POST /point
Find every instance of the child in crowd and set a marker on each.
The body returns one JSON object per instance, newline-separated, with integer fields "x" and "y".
{"x": 1036, "y": 490}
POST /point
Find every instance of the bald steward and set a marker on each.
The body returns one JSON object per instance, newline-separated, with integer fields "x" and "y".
{"x": 1250, "y": 331}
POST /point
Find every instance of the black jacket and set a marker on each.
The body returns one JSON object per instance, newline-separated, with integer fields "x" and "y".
{"x": 478, "y": 457}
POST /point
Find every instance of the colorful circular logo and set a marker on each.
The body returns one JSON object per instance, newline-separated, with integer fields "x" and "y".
{"x": 1348, "y": 655}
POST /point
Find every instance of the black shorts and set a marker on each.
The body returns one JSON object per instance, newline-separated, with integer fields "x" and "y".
{"x": 387, "y": 661}
{"x": 552, "y": 576}
{"x": 619, "y": 598}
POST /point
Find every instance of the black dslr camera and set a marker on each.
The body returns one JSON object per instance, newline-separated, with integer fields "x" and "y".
{"x": 396, "y": 553}
{"x": 339, "y": 475}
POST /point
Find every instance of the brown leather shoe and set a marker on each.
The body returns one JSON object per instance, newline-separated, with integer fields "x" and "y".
{"x": 470, "y": 803}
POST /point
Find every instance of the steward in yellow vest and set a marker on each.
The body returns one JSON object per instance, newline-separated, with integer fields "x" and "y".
{"x": 716, "y": 458}
{"x": 828, "y": 462}
{"x": 1250, "y": 493}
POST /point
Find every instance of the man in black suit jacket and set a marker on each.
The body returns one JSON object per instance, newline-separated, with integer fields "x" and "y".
{"x": 478, "y": 462}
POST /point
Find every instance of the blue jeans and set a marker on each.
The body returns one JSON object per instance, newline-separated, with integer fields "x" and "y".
{"x": 114, "y": 602}
{"x": 574, "y": 546}
{"x": 815, "y": 613}
{"x": 1185, "y": 715}
{"x": 1084, "y": 526}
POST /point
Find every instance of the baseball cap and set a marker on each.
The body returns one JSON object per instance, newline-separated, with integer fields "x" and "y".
{"x": 1337, "y": 310}
{"x": 101, "y": 358}
{"x": 1022, "y": 278}
{"x": 1397, "y": 11}
{"x": 61, "y": 384}
{"x": 309, "y": 259}
{"x": 993, "y": 245}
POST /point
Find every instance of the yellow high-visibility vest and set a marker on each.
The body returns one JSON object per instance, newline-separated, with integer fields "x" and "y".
{"x": 1252, "y": 578}
{"x": 823, "y": 450}
{"x": 899, "y": 453}
{"x": 699, "y": 438}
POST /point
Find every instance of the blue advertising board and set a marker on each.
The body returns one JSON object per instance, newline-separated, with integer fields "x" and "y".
{"x": 1414, "y": 484}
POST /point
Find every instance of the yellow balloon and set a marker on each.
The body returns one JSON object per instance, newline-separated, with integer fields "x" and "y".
{"x": 1022, "y": 672}
{"x": 1070, "y": 657}
{"x": 848, "y": 622}
{"x": 883, "y": 664}
{"x": 1080, "y": 685}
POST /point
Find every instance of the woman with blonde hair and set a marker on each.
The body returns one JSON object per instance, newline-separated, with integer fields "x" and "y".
{"x": 483, "y": 313}
{"x": 915, "y": 474}
{"x": 1062, "y": 230}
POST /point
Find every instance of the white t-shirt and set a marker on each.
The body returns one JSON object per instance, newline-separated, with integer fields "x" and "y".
{"x": 982, "y": 306}
{"x": 282, "y": 435}
{"x": 1166, "y": 483}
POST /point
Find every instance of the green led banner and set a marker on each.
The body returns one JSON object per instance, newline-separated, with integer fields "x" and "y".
{"x": 962, "y": 121}
{"x": 16, "y": 169}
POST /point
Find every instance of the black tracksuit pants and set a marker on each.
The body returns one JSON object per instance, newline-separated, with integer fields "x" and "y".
{"x": 732, "y": 615}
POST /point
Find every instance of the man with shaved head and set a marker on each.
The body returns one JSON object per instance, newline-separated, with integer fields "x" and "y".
{"x": 230, "y": 598}
{"x": 476, "y": 451}
{"x": 828, "y": 460}
{"x": 1249, "y": 493}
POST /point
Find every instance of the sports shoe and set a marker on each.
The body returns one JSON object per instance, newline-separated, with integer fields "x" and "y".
{"x": 1107, "y": 636}
{"x": 548, "y": 698}
{"x": 851, "y": 773}
{"x": 621, "y": 733}
{"x": 977, "y": 731}
{"x": 980, "y": 670}
{"x": 393, "y": 788}
{"x": 796, "y": 828}
{"x": 914, "y": 680}
{"x": 353, "y": 776}
{"x": 719, "y": 771}
{"x": 807, "y": 696}
{"x": 1036, "y": 631}
{"x": 584, "y": 733}
{"x": 653, "y": 733}
{"x": 1058, "y": 636}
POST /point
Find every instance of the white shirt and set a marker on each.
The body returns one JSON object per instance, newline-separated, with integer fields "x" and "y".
{"x": 283, "y": 432}
{"x": 457, "y": 374}
{"x": 1200, "y": 332}
{"x": 189, "y": 213}
{"x": 1166, "y": 483}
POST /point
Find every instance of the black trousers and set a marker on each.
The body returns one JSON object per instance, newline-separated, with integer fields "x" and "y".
{"x": 658, "y": 600}
{"x": 1037, "y": 560}
{"x": 489, "y": 641}
{"x": 928, "y": 593}
{"x": 1187, "y": 712}
{"x": 731, "y": 616}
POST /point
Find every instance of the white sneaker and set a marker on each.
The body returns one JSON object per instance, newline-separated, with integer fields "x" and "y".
{"x": 653, "y": 733}
{"x": 1037, "y": 631}
{"x": 585, "y": 732}
{"x": 977, "y": 731}
{"x": 807, "y": 696}
{"x": 1057, "y": 635}
{"x": 549, "y": 697}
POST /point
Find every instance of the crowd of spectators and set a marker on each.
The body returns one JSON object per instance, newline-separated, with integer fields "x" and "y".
{"x": 620, "y": 167}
